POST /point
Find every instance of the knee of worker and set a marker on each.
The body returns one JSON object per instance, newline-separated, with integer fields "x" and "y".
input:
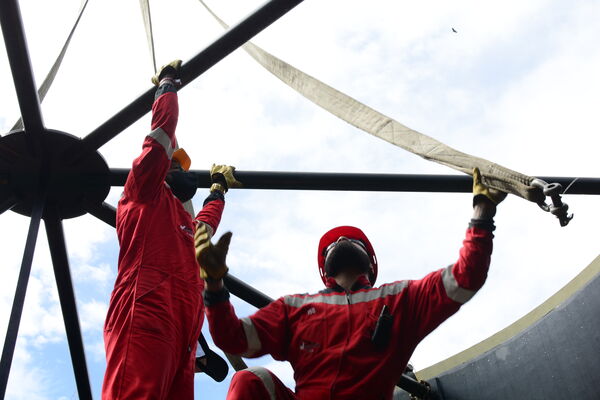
{"x": 252, "y": 380}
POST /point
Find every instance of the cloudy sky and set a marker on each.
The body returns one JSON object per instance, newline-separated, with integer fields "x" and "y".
{"x": 517, "y": 84}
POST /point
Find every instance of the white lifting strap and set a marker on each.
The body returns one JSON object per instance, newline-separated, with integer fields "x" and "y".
{"x": 390, "y": 130}
{"x": 145, "y": 8}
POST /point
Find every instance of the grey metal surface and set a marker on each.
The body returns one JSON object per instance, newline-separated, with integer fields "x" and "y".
{"x": 558, "y": 357}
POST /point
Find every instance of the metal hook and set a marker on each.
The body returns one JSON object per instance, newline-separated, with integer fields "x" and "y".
{"x": 557, "y": 208}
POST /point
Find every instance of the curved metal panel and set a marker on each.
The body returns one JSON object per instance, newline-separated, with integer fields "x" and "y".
{"x": 551, "y": 353}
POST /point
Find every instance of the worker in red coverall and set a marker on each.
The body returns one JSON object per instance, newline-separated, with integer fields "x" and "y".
{"x": 351, "y": 340}
{"x": 156, "y": 309}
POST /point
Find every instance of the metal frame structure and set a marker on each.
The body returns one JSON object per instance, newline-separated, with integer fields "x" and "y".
{"x": 37, "y": 178}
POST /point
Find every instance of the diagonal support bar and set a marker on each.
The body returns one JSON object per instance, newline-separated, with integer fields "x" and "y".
{"x": 104, "y": 212}
{"x": 365, "y": 182}
{"x": 215, "y": 52}
{"x": 19, "y": 300}
{"x": 62, "y": 273}
{"x": 416, "y": 389}
{"x": 47, "y": 83}
{"x": 7, "y": 202}
{"x": 20, "y": 65}
{"x": 246, "y": 292}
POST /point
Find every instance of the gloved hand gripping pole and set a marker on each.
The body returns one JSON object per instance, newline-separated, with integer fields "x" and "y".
{"x": 557, "y": 208}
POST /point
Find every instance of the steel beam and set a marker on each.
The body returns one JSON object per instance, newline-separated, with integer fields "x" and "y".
{"x": 118, "y": 176}
{"x": 416, "y": 388}
{"x": 228, "y": 42}
{"x": 365, "y": 182}
{"x": 62, "y": 273}
{"x": 7, "y": 203}
{"x": 246, "y": 292}
{"x": 104, "y": 212}
{"x": 17, "y": 307}
{"x": 20, "y": 65}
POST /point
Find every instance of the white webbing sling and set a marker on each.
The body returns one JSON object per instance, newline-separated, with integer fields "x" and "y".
{"x": 388, "y": 129}
{"x": 146, "y": 16}
{"x": 392, "y": 131}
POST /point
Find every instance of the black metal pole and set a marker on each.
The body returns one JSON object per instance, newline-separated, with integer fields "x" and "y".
{"x": 364, "y": 182}
{"x": 246, "y": 292}
{"x": 17, "y": 308}
{"x": 104, "y": 212}
{"x": 7, "y": 203}
{"x": 215, "y": 52}
{"x": 415, "y": 388}
{"x": 20, "y": 65}
{"x": 62, "y": 273}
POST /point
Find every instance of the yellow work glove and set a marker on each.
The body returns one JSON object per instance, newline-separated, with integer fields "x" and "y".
{"x": 222, "y": 178}
{"x": 173, "y": 68}
{"x": 211, "y": 257}
{"x": 479, "y": 189}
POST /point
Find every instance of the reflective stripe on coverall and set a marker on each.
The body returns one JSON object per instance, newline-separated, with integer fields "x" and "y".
{"x": 156, "y": 309}
{"x": 327, "y": 336}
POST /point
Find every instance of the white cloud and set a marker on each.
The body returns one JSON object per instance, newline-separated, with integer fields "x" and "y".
{"x": 26, "y": 381}
{"x": 97, "y": 352}
{"x": 92, "y": 315}
{"x": 101, "y": 275}
{"x": 86, "y": 234}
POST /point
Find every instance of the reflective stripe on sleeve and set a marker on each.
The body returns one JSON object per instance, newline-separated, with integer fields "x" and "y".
{"x": 164, "y": 140}
{"x": 266, "y": 378}
{"x": 252, "y": 338}
{"x": 342, "y": 299}
{"x": 455, "y": 292}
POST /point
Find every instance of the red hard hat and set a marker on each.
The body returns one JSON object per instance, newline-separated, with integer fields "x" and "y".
{"x": 350, "y": 232}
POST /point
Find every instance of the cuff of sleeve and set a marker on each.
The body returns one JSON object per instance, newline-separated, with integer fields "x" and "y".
{"x": 212, "y": 298}
{"x": 166, "y": 86}
{"x": 214, "y": 195}
{"x": 487, "y": 224}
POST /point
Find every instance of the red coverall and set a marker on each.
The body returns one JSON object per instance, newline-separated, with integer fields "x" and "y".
{"x": 327, "y": 336}
{"x": 156, "y": 308}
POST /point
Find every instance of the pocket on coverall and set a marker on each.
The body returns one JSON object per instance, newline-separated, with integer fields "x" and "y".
{"x": 311, "y": 334}
{"x": 153, "y": 308}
